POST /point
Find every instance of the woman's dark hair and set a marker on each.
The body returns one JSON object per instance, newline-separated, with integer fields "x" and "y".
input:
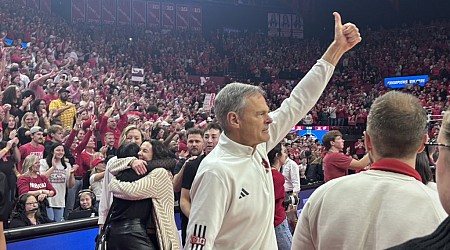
{"x": 20, "y": 213}
{"x": 35, "y": 106}
{"x": 423, "y": 167}
{"x": 28, "y": 93}
{"x": 20, "y": 203}
{"x": 274, "y": 153}
{"x": 128, "y": 150}
{"x": 159, "y": 150}
{"x": 9, "y": 95}
{"x": 156, "y": 130}
{"x": 52, "y": 152}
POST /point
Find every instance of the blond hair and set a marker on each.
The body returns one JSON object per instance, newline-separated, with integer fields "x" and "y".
{"x": 397, "y": 124}
{"x": 28, "y": 162}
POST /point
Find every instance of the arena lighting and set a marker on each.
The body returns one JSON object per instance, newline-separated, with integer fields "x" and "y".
{"x": 131, "y": 39}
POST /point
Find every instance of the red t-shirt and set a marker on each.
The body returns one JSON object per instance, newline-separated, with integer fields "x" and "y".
{"x": 335, "y": 165}
{"x": 26, "y": 183}
{"x": 84, "y": 161}
{"x": 359, "y": 150}
{"x": 278, "y": 186}
{"x": 28, "y": 149}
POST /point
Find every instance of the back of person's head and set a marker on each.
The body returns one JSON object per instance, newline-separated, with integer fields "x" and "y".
{"x": 160, "y": 151}
{"x": 188, "y": 125}
{"x": 274, "y": 153}
{"x": 423, "y": 167}
{"x": 28, "y": 93}
{"x": 329, "y": 137}
{"x": 444, "y": 133}
{"x": 128, "y": 150}
{"x": 232, "y": 98}
{"x": 396, "y": 125}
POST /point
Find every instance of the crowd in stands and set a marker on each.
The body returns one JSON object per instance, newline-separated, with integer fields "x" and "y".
{"x": 70, "y": 86}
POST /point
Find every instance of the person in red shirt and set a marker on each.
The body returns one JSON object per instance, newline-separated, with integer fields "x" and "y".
{"x": 32, "y": 182}
{"x": 335, "y": 163}
{"x": 110, "y": 124}
{"x": 277, "y": 157}
{"x": 360, "y": 150}
{"x": 34, "y": 147}
{"x": 51, "y": 92}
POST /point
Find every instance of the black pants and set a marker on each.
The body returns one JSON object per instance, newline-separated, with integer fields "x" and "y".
{"x": 129, "y": 235}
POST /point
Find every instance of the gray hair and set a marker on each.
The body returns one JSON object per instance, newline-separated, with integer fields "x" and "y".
{"x": 397, "y": 125}
{"x": 232, "y": 98}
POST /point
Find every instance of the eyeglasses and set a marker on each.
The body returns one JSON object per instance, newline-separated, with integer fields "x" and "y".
{"x": 434, "y": 147}
{"x": 32, "y": 203}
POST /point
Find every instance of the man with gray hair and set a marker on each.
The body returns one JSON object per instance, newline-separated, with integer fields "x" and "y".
{"x": 385, "y": 205}
{"x": 232, "y": 194}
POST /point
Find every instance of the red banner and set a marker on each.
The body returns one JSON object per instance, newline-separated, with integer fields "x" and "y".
{"x": 153, "y": 14}
{"x": 124, "y": 12}
{"x": 93, "y": 11}
{"x": 34, "y": 4}
{"x": 138, "y": 12}
{"x": 196, "y": 18}
{"x": 182, "y": 17}
{"x": 46, "y": 6}
{"x": 109, "y": 12}
{"x": 78, "y": 11}
{"x": 168, "y": 15}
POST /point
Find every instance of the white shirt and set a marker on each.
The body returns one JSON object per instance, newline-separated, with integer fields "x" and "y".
{"x": 291, "y": 175}
{"x": 370, "y": 210}
{"x": 59, "y": 179}
{"x": 232, "y": 194}
{"x": 96, "y": 186}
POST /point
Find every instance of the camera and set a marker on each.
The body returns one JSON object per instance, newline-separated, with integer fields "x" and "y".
{"x": 290, "y": 200}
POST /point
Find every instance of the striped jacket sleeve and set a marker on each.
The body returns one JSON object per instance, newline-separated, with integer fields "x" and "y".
{"x": 144, "y": 188}
{"x": 120, "y": 164}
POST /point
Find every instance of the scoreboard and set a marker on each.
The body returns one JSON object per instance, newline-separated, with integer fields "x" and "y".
{"x": 316, "y": 132}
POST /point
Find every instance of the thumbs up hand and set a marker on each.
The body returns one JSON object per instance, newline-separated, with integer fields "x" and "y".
{"x": 347, "y": 35}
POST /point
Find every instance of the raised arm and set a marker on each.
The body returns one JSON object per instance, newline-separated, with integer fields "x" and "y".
{"x": 305, "y": 95}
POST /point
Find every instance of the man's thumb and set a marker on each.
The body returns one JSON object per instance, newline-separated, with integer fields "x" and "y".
{"x": 337, "y": 20}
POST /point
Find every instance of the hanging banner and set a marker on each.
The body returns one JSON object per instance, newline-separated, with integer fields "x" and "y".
{"x": 109, "y": 12}
{"x": 273, "y": 24}
{"x": 153, "y": 14}
{"x": 297, "y": 26}
{"x": 196, "y": 18}
{"x": 93, "y": 11}
{"x": 46, "y": 6}
{"x": 168, "y": 15}
{"x": 78, "y": 11}
{"x": 285, "y": 25}
{"x": 34, "y": 4}
{"x": 182, "y": 17}
{"x": 138, "y": 14}
{"x": 124, "y": 12}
